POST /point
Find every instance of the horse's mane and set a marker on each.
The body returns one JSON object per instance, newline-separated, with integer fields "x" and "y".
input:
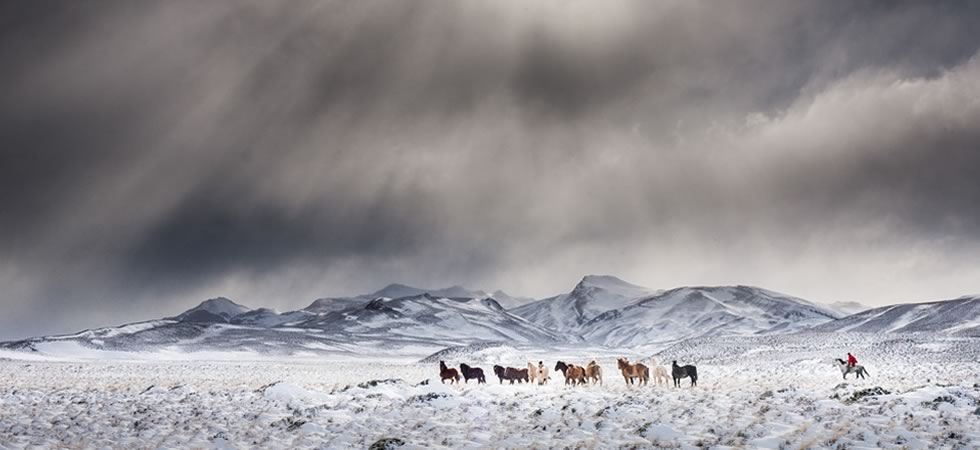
{"x": 464, "y": 366}
{"x": 841, "y": 361}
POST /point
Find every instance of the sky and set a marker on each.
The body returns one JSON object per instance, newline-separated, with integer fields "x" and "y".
{"x": 157, "y": 153}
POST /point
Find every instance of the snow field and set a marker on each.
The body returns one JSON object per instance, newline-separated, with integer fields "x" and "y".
{"x": 290, "y": 404}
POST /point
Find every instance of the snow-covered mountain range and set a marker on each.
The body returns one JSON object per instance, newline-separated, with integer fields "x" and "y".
{"x": 600, "y": 310}
{"x": 703, "y": 311}
{"x": 958, "y": 317}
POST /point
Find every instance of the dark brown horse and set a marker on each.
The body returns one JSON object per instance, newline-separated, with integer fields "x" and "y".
{"x": 511, "y": 374}
{"x": 573, "y": 374}
{"x": 472, "y": 372}
{"x": 446, "y": 373}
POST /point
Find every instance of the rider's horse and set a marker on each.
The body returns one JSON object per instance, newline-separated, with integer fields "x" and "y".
{"x": 845, "y": 369}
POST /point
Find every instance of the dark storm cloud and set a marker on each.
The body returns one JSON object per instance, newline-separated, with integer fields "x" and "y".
{"x": 157, "y": 152}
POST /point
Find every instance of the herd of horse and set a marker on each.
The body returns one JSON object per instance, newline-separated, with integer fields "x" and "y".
{"x": 589, "y": 374}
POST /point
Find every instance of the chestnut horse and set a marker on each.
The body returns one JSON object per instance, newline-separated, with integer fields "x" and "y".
{"x": 446, "y": 373}
{"x": 594, "y": 373}
{"x": 573, "y": 374}
{"x": 472, "y": 372}
{"x": 631, "y": 371}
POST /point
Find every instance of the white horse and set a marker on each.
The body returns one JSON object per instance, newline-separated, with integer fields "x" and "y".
{"x": 845, "y": 369}
{"x": 532, "y": 373}
{"x": 542, "y": 373}
{"x": 659, "y": 373}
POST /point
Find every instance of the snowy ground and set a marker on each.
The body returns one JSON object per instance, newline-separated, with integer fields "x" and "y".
{"x": 797, "y": 402}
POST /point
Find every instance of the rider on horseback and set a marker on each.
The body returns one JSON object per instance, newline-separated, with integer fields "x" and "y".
{"x": 851, "y": 360}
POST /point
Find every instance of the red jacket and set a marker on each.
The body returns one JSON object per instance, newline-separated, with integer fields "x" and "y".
{"x": 851, "y": 360}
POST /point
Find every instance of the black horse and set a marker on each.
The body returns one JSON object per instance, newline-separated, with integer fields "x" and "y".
{"x": 684, "y": 372}
{"x": 511, "y": 374}
{"x": 472, "y": 372}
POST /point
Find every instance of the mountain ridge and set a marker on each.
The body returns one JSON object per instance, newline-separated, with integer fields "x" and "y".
{"x": 600, "y": 310}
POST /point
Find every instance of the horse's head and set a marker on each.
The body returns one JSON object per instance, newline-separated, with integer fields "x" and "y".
{"x": 497, "y": 370}
{"x": 675, "y": 363}
{"x": 464, "y": 367}
{"x": 621, "y": 362}
{"x": 442, "y": 365}
{"x": 561, "y": 366}
{"x": 841, "y": 362}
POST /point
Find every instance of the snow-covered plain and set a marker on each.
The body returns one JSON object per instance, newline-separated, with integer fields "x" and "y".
{"x": 751, "y": 394}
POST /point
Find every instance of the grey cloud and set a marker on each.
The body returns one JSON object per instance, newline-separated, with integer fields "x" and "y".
{"x": 154, "y": 152}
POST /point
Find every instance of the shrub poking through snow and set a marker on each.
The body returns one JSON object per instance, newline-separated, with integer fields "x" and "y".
{"x": 422, "y": 398}
{"x": 376, "y": 383}
{"x": 386, "y": 444}
{"x": 869, "y": 392}
{"x": 290, "y": 423}
{"x": 267, "y": 386}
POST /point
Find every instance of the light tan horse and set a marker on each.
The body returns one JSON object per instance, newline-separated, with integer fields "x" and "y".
{"x": 631, "y": 371}
{"x": 594, "y": 373}
{"x": 659, "y": 372}
{"x": 532, "y": 372}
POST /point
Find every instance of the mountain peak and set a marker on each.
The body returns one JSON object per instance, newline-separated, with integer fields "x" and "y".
{"x": 219, "y": 306}
{"x": 612, "y": 284}
{"x": 398, "y": 290}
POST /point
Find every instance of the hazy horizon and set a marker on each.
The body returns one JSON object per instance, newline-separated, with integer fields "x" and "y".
{"x": 156, "y": 154}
